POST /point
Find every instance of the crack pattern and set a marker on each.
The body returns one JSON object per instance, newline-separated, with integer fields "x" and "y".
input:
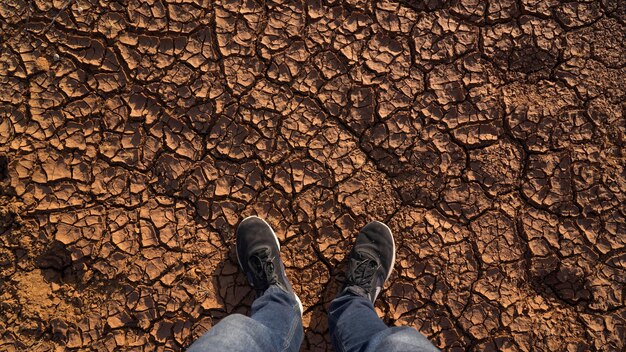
{"x": 134, "y": 135}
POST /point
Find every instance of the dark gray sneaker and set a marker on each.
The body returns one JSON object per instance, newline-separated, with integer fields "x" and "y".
{"x": 370, "y": 261}
{"x": 258, "y": 254}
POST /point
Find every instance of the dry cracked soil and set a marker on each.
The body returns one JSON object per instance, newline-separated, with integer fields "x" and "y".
{"x": 136, "y": 134}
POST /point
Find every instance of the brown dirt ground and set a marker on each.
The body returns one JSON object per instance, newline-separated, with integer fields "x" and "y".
{"x": 135, "y": 135}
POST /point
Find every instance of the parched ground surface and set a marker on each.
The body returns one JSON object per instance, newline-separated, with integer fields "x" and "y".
{"x": 135, "y": 135}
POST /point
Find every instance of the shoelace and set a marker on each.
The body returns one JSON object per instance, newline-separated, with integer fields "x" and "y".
{"x": 262, "y": 266}
{"x": 363, "y": 271}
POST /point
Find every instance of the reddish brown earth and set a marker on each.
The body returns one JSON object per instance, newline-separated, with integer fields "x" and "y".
{"x": 134, "y": 136}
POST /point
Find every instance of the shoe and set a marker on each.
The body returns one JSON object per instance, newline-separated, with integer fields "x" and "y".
{"x": 370, "y": 261}
{"x": 258, "y": 254}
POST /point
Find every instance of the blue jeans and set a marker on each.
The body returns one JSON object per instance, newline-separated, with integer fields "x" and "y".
{"x": 275, "y": 324}
{"x": 355, "y": 326}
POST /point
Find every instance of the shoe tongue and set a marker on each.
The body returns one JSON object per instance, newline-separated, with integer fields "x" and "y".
{"x": 364, "y": 254}
{"x": 260, "y": 255}
{"x": 262, "y": 267}
{"x": 256, "y": 264}
{"x": 365, "y": 267}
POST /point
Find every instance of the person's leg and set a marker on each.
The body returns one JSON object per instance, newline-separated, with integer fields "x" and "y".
{"x": 354, "y": 324}
{"x": 237, "y": 333}
{"x": 400, "y": 339}
{"x": 275, "y": 322}
{"x": 281, "y": 313}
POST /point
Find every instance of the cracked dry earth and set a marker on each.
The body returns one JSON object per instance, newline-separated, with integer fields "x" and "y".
{"x": 135, "y": 135}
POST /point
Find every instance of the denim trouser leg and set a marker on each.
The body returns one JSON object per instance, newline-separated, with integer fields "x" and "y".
{"x": 355, "y": 326}
{"x": 275, "y": 324}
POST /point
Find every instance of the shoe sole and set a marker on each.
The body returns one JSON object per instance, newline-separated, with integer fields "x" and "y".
{"x": 277, "y": 244}
{"x": 393, "y": 242}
